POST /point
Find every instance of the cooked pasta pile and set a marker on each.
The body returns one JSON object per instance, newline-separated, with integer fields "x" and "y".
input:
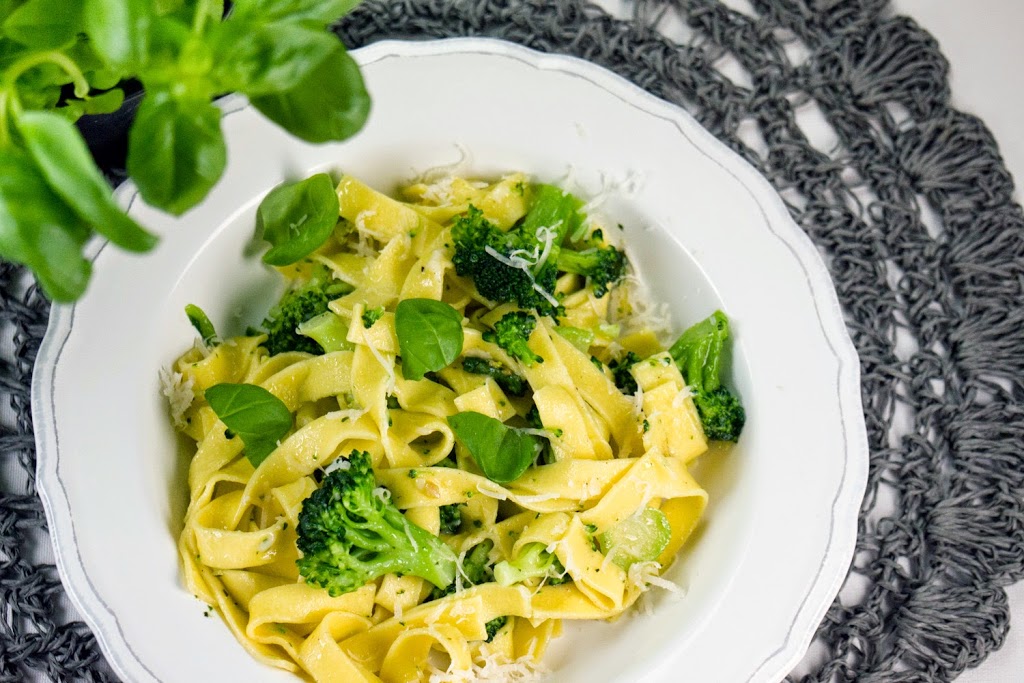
{"x": 568, "y": 538}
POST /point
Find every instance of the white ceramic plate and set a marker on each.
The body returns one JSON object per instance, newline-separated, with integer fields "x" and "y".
{"x": 707, "y": 231}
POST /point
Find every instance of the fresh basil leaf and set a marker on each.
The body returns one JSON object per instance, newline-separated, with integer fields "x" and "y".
{"x": 44, "y": 24}
{"x": 254, "y": 414}
{"x": 429, "y": 336}
{"x": 297, "y": 217}
{"x": 119, "y": 30}
{"x": 502, "y": 452}
{"x": 39, "y": 230}
{"x": 176, "y": 151}
{"x": 69, "y": 169}
{"x": 321, "y": 12}
{"x": 259, "y": 58}
{"x": 330, "y": 103}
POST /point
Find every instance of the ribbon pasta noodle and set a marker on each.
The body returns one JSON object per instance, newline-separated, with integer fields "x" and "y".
{"x": 607, "y": 457}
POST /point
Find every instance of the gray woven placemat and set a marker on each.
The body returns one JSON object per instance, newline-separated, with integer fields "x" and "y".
{"x": 910, "y": 203}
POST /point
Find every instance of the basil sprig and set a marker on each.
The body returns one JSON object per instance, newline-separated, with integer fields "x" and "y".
{"x": 429, "y": 336}
{"x": 252, "y": 413}
{"x": 502, "y": 452}
{"x": 60, "y": 60}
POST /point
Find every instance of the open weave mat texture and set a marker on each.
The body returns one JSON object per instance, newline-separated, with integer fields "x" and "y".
{"x": 911, "y": 207}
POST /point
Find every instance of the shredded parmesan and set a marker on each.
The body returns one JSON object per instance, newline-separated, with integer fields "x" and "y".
{"x": 178, "y": 390}
{"x": 494, "y": 668}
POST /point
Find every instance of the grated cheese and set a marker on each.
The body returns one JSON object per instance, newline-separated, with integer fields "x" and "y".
{"x": 494, "y": 668}
{"x": 178, "y": 390}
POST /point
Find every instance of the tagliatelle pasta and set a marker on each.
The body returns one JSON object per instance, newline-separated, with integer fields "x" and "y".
{"x": 592, "y": 391}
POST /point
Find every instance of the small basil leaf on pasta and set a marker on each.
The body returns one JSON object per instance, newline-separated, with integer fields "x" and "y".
{"x": 252, "y": 413}
{"x": 502, "y": 452}
{"x": 297, "y": 217}
{"x": 429, "y": 336}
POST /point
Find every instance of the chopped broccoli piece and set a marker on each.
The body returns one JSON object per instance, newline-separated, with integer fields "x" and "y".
{"x": 512, "y": 333}
{"x": 328, "y": 330}
{"x": 349, "y": 534}
{"x": 698, "y": 353}
{"x": 495, "y": 625}
{"x": 511, "y": 383}
{"x": 533, "y": 562}
{"x": 640, "y": 538}
{"x": 578, "y": 337}
{"x": 451, "y": 518}
{"x": 372, "y": 315}
{"x": 624, "y": 379}
{"x": 476, "y": 569}
{"x": 201, "y": 322}
{"x": 477, "y": 565}
{"x": 603, "y": 266}
{"x": 296, "y": 307}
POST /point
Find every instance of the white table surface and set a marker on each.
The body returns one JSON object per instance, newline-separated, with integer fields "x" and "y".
{"x": 982, "y": 41}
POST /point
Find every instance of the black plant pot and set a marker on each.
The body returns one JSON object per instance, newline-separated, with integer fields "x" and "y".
{"x": 107, "y": 134}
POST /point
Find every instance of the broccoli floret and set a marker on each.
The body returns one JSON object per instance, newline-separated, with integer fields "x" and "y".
{"x": 485, "y": 253}
{"x": 478, "y": 241}
{"x": 624, "y": 379}
{"x": 296, "y": 307}
{"x": 495, "y": 625}
{"x": 698, "y": 353}
{"x": 533, "y": 562}
{"x": 603, "y": 266}
{"x": 328, "y": 330}
{"x": 512, "y": 333}
{"x": 511, "y": 383}
{"x": 451, "y": 518}
{"x": 350, "y": 534}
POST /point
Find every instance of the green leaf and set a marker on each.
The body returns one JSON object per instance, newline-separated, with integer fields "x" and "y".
{"x": 58, "y": 149}
{"x": 39, "y": 230}
{"x": 297, "y": 217}
{"x": 502, "y": 452}
{"x": 429, "y": 336}
{"x": 330, "y": 103}
{"x": 254, "y": 414}
{"x": 45, "y": 24}
{"x": 104, "y": 103}
{"x": 119, "y": 30}
{"x": 321, "y": 12}
{"x": 260, "y": 58}
{"x": 176, "y": 151}
{"x": 639, "y": 538}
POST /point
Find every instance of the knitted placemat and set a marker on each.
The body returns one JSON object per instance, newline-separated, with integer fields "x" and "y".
{"x": 911, "y": 206}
